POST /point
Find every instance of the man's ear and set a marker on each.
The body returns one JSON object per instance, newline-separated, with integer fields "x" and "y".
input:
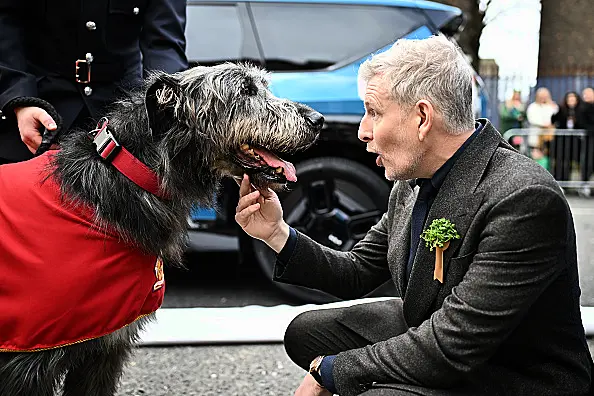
{"x": 161, "y": 96}
{"x": 425, "y": 115}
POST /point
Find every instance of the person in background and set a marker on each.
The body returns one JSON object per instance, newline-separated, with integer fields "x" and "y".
{"x": 512, "y": 112}
{"x": 539, "y": 115}
{"x": 565, "y": 149}
{"x": 68, "y": 59}
{"x": 586, "y": 112}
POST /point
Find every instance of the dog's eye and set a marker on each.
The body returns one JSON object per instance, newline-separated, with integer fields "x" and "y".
{"x": 249, "y": 88}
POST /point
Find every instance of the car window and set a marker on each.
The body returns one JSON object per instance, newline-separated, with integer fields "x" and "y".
{"x": 217, "y": 33}
{"x": 315, "y": 36}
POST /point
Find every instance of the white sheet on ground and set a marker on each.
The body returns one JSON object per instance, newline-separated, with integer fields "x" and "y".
{"x": 250, "y": 324}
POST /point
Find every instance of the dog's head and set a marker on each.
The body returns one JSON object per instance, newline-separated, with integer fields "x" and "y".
{"x": 227, "y": 117}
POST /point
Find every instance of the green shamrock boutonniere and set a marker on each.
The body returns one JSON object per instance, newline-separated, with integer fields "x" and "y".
{"x": 438, "y": 236}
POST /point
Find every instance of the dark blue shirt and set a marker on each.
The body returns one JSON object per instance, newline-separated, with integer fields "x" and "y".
{"x": 430, "y": 189}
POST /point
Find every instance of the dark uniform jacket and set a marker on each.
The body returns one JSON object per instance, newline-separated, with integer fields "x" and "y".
{"x": 42, "y": 40}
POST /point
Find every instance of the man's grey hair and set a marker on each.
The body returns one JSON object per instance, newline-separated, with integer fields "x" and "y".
{"x": 434, "y": 69}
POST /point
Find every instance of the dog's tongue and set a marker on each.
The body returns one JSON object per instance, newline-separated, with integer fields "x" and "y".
{"x": 274, "y": 161}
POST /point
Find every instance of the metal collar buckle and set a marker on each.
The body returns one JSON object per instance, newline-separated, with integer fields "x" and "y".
{"x": 106, "y": 144}
{"x": 78, "y": 74}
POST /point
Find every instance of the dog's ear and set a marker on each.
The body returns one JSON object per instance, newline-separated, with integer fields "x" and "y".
{"x": 160, "y": 98}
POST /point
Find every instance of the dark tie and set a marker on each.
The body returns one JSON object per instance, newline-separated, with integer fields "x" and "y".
{"x": 418, "y": 218}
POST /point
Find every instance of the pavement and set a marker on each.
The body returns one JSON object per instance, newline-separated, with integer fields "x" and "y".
{"x": 262, "y": 369}
{"x": 234, "y": 370}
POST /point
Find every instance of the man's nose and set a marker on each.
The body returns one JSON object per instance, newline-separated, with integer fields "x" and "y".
{"x": 365, "y": 131}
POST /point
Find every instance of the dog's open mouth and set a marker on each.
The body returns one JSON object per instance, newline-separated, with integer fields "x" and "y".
{"x": 262, "y": 160}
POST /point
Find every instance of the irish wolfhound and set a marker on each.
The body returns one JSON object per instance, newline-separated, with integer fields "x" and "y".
{"x": 83, "y": 239}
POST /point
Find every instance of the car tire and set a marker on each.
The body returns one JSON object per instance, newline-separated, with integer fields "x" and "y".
{"x": 335, "y": 202}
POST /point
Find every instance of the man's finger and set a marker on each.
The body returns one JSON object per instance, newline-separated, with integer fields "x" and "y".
{"x": 242, "y": 217}
{"x": 245, "y": 186}
{"x": 267, "y": 193}
{"x": 32, "y": 145}
{"x": 31, "y": 138}
{"x": 45, "y": 119}
{"x": 247, "y": 200}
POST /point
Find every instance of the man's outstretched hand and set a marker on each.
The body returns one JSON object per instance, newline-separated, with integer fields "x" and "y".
{"x": 260, "y": 214}
{"x": 29, "y": 120}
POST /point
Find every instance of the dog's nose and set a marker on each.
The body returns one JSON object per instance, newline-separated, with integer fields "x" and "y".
{"x": 315, "y": 119}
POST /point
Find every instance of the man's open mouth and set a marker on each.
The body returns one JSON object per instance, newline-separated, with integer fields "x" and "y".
{"x": 259, "y": 159}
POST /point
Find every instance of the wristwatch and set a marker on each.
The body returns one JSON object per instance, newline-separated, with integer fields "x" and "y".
{"x": 314, "y": 369}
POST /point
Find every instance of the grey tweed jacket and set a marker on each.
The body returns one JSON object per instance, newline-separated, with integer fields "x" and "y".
{"x": 506, "y": 320}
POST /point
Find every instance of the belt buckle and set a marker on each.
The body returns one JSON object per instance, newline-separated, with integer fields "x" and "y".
{"x": 78, "y": 66}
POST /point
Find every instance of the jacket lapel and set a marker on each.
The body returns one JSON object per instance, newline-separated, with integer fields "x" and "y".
{"x": 399, "y": 247}
{"x": 457, "y": 202}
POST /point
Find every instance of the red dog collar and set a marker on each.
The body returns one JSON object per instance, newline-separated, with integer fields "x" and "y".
{"x": 111, "y": 151}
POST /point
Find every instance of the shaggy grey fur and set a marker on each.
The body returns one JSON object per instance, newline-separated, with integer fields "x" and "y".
{"x": 189, "y": 128}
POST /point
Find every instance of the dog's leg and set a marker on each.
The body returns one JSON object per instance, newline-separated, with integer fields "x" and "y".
{"x": 99, "y": 364}
{"x": 30, "y": 374}
{"x": 98, "y": 372}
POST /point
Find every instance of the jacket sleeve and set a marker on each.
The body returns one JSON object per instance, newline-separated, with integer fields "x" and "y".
{"x": 346, "y": 275}
{"x": 512, "y": 266}
{"x": 163, "y": 40}
{"x": 14, "y": 79}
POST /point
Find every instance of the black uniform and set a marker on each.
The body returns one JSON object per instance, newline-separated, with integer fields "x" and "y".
{"x": 42, "y": 42}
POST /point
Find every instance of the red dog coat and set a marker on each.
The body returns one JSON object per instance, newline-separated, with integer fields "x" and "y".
{"x": 62, "y": 278}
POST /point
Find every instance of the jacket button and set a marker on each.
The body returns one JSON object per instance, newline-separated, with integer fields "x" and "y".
{"x": 88, "y": 91}
{"x": 136, "y": 10}
{"x": 91, "y": 25}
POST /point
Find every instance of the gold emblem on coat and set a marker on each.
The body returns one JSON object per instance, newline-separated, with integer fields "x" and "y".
{"x": 159, "y": 274}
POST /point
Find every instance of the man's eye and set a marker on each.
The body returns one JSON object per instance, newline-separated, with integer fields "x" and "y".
{"x": 372, "y": 113}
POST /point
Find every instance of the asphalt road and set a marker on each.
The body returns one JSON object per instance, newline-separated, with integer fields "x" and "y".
{"x": 259, "y": 369}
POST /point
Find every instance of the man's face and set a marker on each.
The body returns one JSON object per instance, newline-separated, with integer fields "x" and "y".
{"x": 588, "y": 95}
{"x": 391, "y": 132}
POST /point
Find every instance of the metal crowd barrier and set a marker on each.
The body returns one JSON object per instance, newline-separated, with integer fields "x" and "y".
{"x": 567, "y": 153}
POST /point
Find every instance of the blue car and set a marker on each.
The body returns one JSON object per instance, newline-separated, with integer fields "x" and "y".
{"x": 313, "y": 49}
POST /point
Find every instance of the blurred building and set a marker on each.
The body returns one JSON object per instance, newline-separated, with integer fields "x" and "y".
{"x": 566, "y": 48}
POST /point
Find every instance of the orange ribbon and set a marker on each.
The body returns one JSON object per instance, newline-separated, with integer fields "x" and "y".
{"x": 438, "y": 271}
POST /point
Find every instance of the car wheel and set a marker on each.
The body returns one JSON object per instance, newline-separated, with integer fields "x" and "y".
{"x": 335, "y": 202}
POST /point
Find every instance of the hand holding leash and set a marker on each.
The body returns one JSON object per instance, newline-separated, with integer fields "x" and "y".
{"x": 30, "y": 120}
{"x": 260, "y": 214}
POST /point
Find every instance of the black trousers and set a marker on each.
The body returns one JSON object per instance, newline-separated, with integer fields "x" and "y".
{"x": 330, "y": 331}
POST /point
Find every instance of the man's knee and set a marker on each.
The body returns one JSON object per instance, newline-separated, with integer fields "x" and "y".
{"x": 297, "y": 337}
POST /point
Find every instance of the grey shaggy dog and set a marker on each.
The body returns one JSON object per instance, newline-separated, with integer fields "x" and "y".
{"x": 192, "y": 129}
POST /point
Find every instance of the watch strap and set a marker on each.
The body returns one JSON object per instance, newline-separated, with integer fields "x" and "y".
{"x": 314, "y": 369}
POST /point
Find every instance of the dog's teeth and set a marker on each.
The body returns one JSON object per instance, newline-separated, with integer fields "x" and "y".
{"x": 279, "y": 169}
{"x": 251, "y": 151}
{"x": 245, "y": 147}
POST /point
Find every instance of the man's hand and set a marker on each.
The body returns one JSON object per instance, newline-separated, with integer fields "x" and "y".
{"x": 310, "y": 387}
{"x": 29, "y": 120}
{"x": 260, "y": 215}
